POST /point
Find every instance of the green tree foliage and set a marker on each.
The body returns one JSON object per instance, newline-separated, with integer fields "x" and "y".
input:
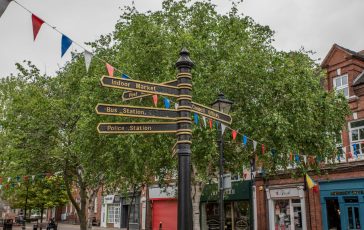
{"x": 278, "y": 101}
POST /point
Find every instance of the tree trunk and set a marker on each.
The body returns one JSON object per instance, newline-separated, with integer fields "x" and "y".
{"x": 91, "y": 207}
{"x": 196, "y": 196}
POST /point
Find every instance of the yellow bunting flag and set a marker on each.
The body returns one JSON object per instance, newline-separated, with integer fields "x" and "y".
{"x": 310, "y": 182}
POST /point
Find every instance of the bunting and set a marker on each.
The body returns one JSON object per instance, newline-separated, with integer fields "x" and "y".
{"x": 309, "y": 181}
{"x": 110, "y": 69}
{"x": 234, "y": 133}
{"x": 155, "y": 100}
{"x": 204, "y": 121}
{"x": 124, "y": 76}
{"x": 195, "y": 118}
{"x": 223, "y": 127}
{"x": 3, "y": 5}
{"x": 167, "y": 103}
{"x": 255, "y": 145}
{"x": 88, "y": 57}
{"x": 176, "y": 106}
{"x": 37, "y": 24}
{"x": 263, "y": 148}
{"x": 210, "y": 123}
{"x": 245, "y": 140}
{"x": 66, "y": 43}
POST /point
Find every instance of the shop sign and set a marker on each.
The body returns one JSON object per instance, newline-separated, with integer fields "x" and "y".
{"x": 240, "y": 190}
{"x": 111, "y": 199}
{"x": 284, "y": 192}
{"x": 345, "y": 193}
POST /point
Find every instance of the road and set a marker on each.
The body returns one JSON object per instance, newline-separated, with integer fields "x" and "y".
{"x": 64, "y": 227}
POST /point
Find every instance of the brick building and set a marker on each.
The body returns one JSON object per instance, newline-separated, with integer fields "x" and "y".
{"x": 283, "y": 203}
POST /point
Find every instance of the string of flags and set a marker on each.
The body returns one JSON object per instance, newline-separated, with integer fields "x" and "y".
{"x": 12, "y": 182}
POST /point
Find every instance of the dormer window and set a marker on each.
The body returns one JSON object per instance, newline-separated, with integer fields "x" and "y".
{"x": 341, "y": 85}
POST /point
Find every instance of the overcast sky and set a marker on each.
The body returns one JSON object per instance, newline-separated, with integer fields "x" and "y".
{"x": 312, "y": 24}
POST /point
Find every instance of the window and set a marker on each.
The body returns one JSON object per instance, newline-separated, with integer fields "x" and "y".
{"x": 113, "y": 213}
{"x": 341, "y": 85}
{"x": 357, "y": 138}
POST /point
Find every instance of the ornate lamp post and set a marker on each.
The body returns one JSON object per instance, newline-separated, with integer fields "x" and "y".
{"x": 223, "y": 105}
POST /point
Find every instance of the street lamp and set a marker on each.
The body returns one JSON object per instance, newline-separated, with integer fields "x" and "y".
{"x": 223, "y": 105}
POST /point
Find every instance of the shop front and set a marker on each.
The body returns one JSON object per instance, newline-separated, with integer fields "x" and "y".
{"x": 286, "y": 206}
{"x": 237, "y": 205}
{"x": 342, "y": 203}
{"x": 110, "y": 211}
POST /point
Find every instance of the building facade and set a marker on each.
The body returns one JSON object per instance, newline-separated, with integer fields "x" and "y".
{"x": 282, "y": 202}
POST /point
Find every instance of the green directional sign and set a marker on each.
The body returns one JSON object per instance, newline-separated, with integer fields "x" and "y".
{"x": 211, "y": 113}
{"x": 139, "y": 86}
{"x": 129, "y": 95}
{"x": 140, "y": 127}
{"x": 136, "y": 111}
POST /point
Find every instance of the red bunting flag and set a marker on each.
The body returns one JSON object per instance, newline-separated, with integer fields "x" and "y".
{"x": 1, "y": 180}
{"x": 210, "y": 123}
{"x": 25, "y": 178}
{"x": 315, "y": 188}
{"x": 234, "y": 133}
{"x": 290, "y": 156}
{"x": 155, "y": 100}
{"x": 110, "y": 69}
{"x": 37, "y": 23}
{"x": 263, "y": 149}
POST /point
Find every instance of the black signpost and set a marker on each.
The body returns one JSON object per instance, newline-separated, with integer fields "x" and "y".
{"x": 181, "y": 123}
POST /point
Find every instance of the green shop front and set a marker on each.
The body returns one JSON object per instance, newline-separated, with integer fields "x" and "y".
{"x": 238, "y": 207}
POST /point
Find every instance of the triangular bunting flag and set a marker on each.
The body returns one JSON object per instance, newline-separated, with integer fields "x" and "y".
{"x": 234, "y": 133}
{"x": 66, "y": 43}
{"x": 25, "y": 178}
{"x": 37, "y": 23}
{"x": 290, "y": 156}
{"x": 245, "y": 140}
{"x": 110, "y": 69}
{"x": 310, "y": 182}
{"x": 223, "y": 127}
{"x": 255, "y": 145}
{"x": 175, "y": 106}
{"x": 155, "y": 100}
{"x": 1, "y": 180}
{"x": 17, "y": 178}
{"x": 88, "y": 58}
{"x": 297, "y": 158}
{"x": 167, "y": 103}
{"x": 195, "y": 118}
{"x": 124, "y": 76}
{"x": 305, "y": 159}
{"x": 33, "y": 177}
{"x": 204, "y": 121}
{"x": 9, "y": 179}
{"x": 3, "y": 5}
{"x": 210, "y": 123}
{"x": 263, "y": 148}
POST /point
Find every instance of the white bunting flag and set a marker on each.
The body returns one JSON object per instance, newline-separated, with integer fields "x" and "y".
{"x": 255, "y": 145}
{"x": 176, "y": 105}
{"x": 33, "y": 177}
{"x": 223, "y": 127}
{"x": 9, "y": 179}
{"x": 3, "y": 5}
{"x": 305, "y": 159}
{"x": 204, "y": 121}
{"x": 88, "y": 58}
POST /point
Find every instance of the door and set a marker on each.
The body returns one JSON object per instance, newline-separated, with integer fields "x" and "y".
{"x": 164, "y": 214}
{"x": 353, "y": 217}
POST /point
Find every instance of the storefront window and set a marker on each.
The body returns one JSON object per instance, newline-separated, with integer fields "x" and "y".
{"x": 113, "y": 213}
{"x": 282, "y": 214}
{"x": 333, "y": 214}
{"x": 236, "y": 215}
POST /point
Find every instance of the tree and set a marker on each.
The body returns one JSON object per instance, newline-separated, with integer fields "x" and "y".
{"x": 278, "y": 100}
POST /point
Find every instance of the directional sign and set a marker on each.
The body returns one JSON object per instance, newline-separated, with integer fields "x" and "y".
{"x": 140, "y": 127}
{"x": 139, "y": 86}
{"x": 129, "y": 95}
{"x": 135, "y": 111}
{"x": 211, "y": 113}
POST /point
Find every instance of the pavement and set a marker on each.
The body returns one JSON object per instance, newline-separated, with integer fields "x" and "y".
{"x": 64, "y": 227}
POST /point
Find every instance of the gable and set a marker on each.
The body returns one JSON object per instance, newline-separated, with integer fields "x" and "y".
{"x": 337, "y": 57}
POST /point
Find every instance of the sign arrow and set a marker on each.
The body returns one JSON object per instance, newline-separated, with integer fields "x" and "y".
{"x": 139, "y": 86}
{"x": 211, "y": 113}
{"x": 135, "y": 111}
{"x": 140, "y": 127}
{"x": 129, "y": 95}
